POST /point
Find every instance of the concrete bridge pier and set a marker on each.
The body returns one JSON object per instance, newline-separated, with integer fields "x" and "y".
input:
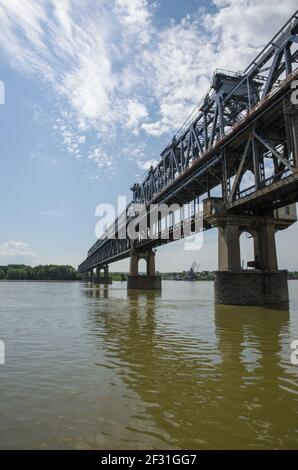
{"x": 264, "y": 284}
{"x": 105, "y": 279}
{"x": 97, "y": 278}
{"x": 150, "y": 281}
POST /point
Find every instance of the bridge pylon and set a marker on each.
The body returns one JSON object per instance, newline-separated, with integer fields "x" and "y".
{"x": 96, "y": 277}
{"x": 149, "y": 281}
{"x": 264, "y": 283}
{"x": 102, "y": 279}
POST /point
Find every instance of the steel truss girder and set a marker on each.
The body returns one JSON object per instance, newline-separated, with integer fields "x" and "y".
{"x": 230, "y": 98}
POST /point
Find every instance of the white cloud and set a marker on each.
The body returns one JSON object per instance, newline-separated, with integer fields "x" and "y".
{"x": 71, "y": 138}
{"x": 158, "y": 128}
{"x": 110, "y": 68}
{"x": 188, "y": 52}
{"x": 136, "y": 112}
{"x": 101, "y": 158}
{"x": 14, "y": 248}
{"x": 145, "y": 165}
{"x": 74, "y": 47}
{"x": 83, "y": 52}
{"x": 135, "y": 18}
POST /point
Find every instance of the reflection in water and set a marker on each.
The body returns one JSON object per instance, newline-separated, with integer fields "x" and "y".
{"x": 96, "y": 291}
{"x": 196, "y": 395}
{"x": 97, "y": 367}
{"x": 252, "y": 374}
{"x": 160, "y": 367}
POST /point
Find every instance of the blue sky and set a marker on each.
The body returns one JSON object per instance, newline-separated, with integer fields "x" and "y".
{"x": 95, "y": 89}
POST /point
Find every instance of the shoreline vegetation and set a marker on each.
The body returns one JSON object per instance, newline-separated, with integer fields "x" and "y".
{"x": 52, "y": 272}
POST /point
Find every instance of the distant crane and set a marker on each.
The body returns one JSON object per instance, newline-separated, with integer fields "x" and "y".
{"x": 191, "y": 273}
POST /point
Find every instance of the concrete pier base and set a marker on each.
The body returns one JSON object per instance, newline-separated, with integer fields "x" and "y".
{"x": 144, "y": 282}
{"x": 251, "y": 287}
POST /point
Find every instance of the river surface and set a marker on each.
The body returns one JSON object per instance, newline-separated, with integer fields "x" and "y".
{"x": 91, "y": 368}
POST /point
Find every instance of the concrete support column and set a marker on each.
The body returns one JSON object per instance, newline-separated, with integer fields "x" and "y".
{"x": 106, "y": 272}
{"x": 151, "y": 264}
{"x": 228, "y": 248}
{"x": 134, "y": 264}
{"x": 265, "y": 247}
{"x": 257, "y": 249}
{"x": 97, "y": 273}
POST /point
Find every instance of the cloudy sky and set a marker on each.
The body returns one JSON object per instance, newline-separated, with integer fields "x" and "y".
{"x": 94, "y": 90}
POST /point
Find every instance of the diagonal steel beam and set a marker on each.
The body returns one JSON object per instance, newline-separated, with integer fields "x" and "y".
{"x": 275, "y": 152}
{"x": 197, "y": 140}
{"x": 273, "y": 68}
{"x": 240, "y": 169}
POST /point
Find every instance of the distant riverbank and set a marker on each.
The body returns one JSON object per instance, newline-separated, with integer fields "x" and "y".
{"x": 49, "y": 272}
{"x": 65, "y": 273}
{"x": 38, "y": 280}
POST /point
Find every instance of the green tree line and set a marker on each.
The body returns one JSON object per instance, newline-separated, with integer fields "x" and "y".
{"x": 53, "y": 272}
{"x": 50, "y": 272}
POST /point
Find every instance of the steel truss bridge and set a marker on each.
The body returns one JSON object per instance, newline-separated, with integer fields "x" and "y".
{"x": 240, "y": 143}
